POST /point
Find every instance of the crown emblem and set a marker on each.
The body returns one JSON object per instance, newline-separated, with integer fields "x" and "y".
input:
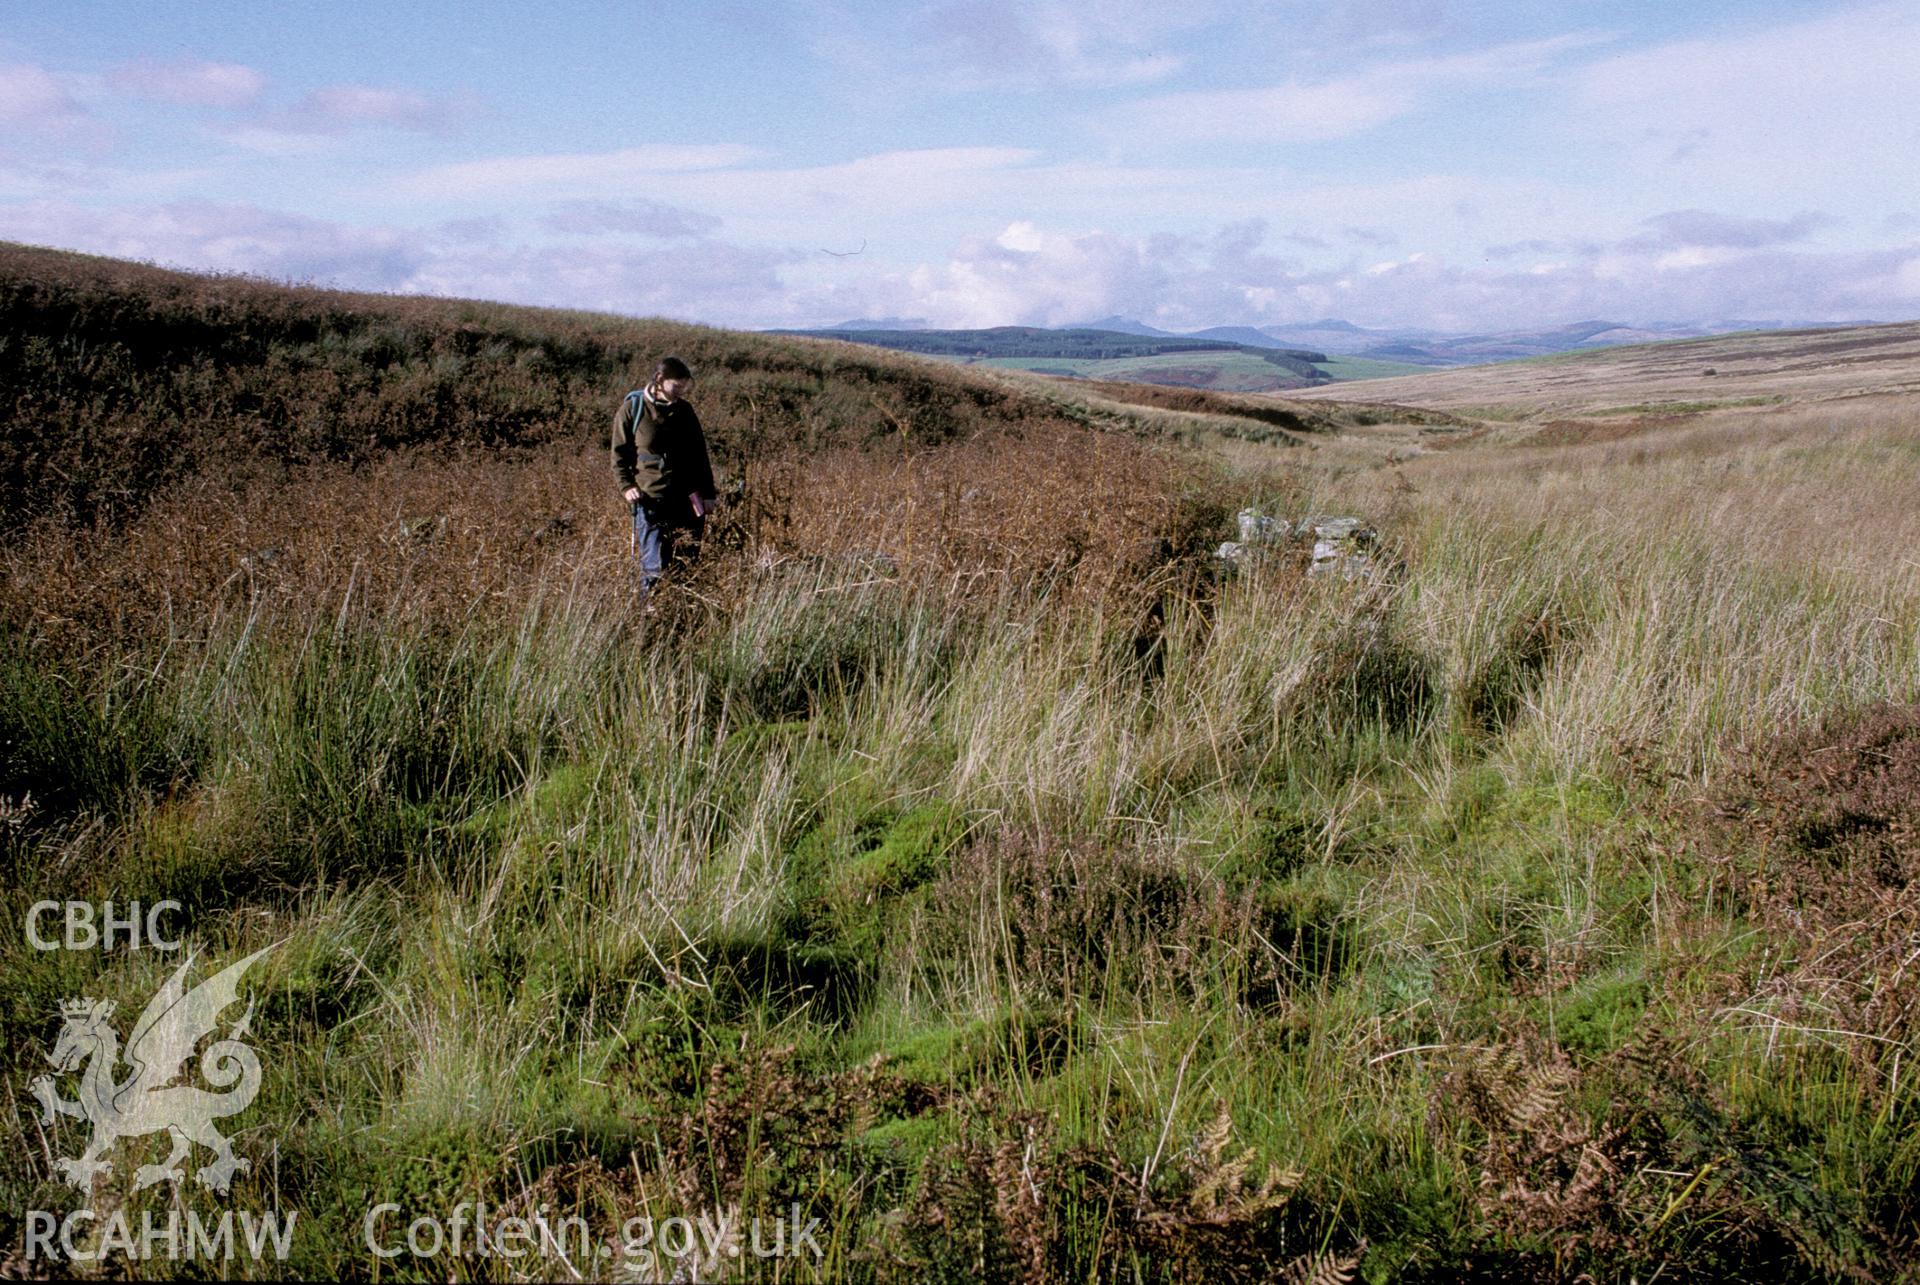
{"x": 97, "y": 1009}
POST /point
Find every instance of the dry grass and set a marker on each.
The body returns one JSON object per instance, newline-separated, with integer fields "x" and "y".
{"x": 420, "y": 534}
{"x": 1801, "y": 366}
{"x": 1731, "y": 570}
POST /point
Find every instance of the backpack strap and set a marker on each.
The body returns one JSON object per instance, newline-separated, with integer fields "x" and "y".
{"x": 644, "y": 457}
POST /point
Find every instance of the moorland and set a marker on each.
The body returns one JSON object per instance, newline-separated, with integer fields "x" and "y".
{"x": 960, "y": 853}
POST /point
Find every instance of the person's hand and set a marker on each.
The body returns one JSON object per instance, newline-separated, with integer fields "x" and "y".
{"x": 702, "y": 504}
{"x": 632, "y": 494}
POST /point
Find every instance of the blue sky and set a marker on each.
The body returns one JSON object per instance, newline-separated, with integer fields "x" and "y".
{"x": 1429, "y": 163}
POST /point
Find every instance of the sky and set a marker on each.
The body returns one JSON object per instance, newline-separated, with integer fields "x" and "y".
{"x": 1461, "y": 165}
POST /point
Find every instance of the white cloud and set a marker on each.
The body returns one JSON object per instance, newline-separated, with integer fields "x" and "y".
{"x": 275, "y": 141}
{"x": 69, "y": 177}
{"x": 916, "y": 202}
{"x": 319, "y": 120}
{"x": 1395, "y": 265}
{"x": 1022, "y": 236}
{"x": 1091, "y": 42}
{"x": 226, "y": 238}
{"x": 336, "y": 110}
{"x": 1025, "y": 272}
{"x": 630, "y": 218}
{"x": 341, "y": 107}
{"x": 1381, "y": 22}
{"x": 36, "y": 106}
{"x": 1704, "y": 228}
{"x": 970, "y": 46}
{"x": 1906, "y": 278}
{"x": 1818, "y": 112}
{"x": 1339, "y": 106}
{"x": 555, "y": 175}
{"x": 193, "y": 84}
{"x": 1029, "y": 274}
{"x": 720, "y": 283}
{"x": 884, "y": 180}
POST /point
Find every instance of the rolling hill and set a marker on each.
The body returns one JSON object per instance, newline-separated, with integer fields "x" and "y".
{"x": 1430, "y": 348}
{"x": 1227, "y": 359}
{"x": 1763, "y": 366}
{"x": 119, "y": 380}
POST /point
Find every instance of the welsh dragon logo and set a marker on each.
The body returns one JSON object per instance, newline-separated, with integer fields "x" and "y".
{"x": 147, "y": 1100}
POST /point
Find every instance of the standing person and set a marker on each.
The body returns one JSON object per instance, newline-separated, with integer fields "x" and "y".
{"x": 660, "y": 460}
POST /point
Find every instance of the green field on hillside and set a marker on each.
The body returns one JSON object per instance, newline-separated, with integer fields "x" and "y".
{"x": 1222, "y": 371}
{"x": 1344, "y": 369}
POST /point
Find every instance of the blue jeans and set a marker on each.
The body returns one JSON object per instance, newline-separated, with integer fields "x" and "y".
{"x": 657, "y": 531}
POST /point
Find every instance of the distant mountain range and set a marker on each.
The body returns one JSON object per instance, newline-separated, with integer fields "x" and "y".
{"x": 1192, "y": 360}
{"x": 1254, "y": 358}
{"x": 1406, "y": 345}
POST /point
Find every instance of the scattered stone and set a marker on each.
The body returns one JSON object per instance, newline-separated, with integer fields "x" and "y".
{"x": 1261, "y": 528}
{"x": 1335, "y": 528}
{"x": 1259, "y": 532}
{"x": 1342, "y": 547}
{"x": 1348, "y": 567}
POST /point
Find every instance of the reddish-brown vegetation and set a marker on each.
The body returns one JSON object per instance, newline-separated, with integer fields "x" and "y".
{"x": 177, "y": 440}
{"x": 117, "y": 380}
{"x": 1819, "y": 832}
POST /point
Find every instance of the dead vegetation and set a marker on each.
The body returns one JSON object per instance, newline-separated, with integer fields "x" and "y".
{"x": 456, "y": 539}
{"x": 1007, "y": 1199}
{"x": 1697, "y": 374}
{"x": 119, "y": 380}
{"x": 1818, "y": 834}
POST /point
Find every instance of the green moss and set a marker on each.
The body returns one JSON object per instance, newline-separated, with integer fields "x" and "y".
{"x": 1312, "y": 937}
{"x": 1600, "y": 1014}
{"x": 756, "y": 739}
{"x": 561, "y": 795}
{"x": 906, "y": 1140}
{"x": 847, "y": 875}
{"x": 1030, "y": 1042}
{"x": 907, "y": 853}
{"x": 431, "y": 1168}
{"x": 1286, "y": 836}
{"x": 1478, "y": 795}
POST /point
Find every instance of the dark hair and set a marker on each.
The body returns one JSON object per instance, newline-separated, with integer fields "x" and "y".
{"x": 671, "y": 368}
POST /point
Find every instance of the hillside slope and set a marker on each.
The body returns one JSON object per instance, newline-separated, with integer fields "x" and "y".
{"x": 1796, "y": 364}
{"x": 1224, "y": 362}
{"x": 118, "y": 379}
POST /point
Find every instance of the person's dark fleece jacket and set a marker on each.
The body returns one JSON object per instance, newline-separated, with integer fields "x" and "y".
{"x": 658, "y": 447}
